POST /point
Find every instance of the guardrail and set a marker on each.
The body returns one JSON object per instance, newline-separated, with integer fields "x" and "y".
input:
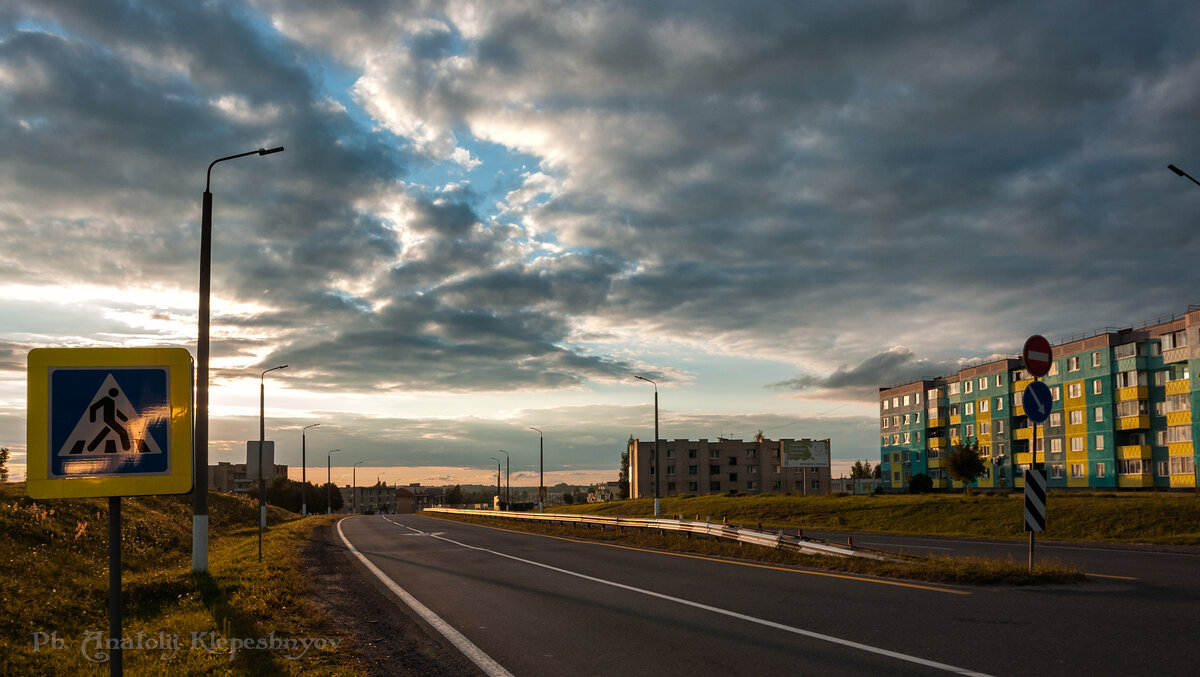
{"x": 768, "y": 539}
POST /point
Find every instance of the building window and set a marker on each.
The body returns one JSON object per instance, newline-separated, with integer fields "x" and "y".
{"x": 693, "y": 486}
{"x": 985, "y": 428}
{"x": 670, "y": 470}
{"x": 1182, "y": 465}
{"x": 954, "y": 388}
{"x": 1164, "y": 469}
{"x": 1076, "y": 444}
{"x": 1055, "y": 446}
{"x": 1073, "y": 363}
{"x": 691, "y": 453}
{"x": 1099, "y": 442}
{"x": 969, "y": 408}
{"x": 886, "y": 405}
{"x": 1056, "y": 393}
{"x": 983, "y": 383}
{"x": 967, "y": 386}
{"x": 906, "y": 419}
{"x": 907, "y": 438}
{"x": 816, "y": 484}
{"x": 753, "y": 469}
{"x": 1000, "y": 427}
{"x": 999, "y": 404}
{"x": 1055, "y": 419}
{"x": 999, "y": 380}
{"x": 1179, "y": 433}
{"x": 671, "y": 452}
{"x": 983, "y": 406}
{"x": 714, "y": 453}
{"x": 1074, "y": 390}
{"x": 907, "y": 400}
{"x": 1056, "y": 471}
{"x": 1098, "y": 414}
{"x": 670, "y": 486}
{"x": 714, "y": 470}
{"x": 752, "y": 486}
{"x": 1100, "y": 470}
{"x": 1096, "y": 359}
{"x": 917, "y": 417}
{"x": 714, "y": 486}
{"x": 1076, "y": 416}
{"x": 693, "y": 470}
{"x": 732, "y": 477}
{"x": 970, "y": 430}
{"x": 1076, "y": 470}
{"x": 1129, "y": 466}
{"x": 917, "y": 397}
{"x": 1097, "y": 387}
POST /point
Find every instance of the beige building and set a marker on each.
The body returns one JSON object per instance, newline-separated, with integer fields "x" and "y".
{"x": 232, "y": 478}
{"x": 726, "y": 466}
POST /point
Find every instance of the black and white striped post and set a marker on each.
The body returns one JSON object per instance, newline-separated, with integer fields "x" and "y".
{"x": 1037, "y": 401}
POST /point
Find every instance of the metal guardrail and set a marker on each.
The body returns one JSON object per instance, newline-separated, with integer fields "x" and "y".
{"x": 767, "y": 539}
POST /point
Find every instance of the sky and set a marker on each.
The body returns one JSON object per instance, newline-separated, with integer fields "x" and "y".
{"x": 492, "y": 214}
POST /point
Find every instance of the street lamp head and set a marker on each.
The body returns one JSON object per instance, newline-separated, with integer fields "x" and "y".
{"x": 309, "y": 426}
{"x": 266, "y": 151}
{"x": 537, "y": 429}
{"x": 643, "y": 378}
{"x": 1175, "y": 169}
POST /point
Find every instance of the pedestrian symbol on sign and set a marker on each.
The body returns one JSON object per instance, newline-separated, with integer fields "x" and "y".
{"x": 112, "y": 425}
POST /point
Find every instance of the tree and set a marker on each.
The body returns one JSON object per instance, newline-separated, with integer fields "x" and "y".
{"x": 861, "y": 470}
{"x": 623, "y": 478}
{"x": 3, "y": 464}
{"x": 964, "y": 463}
{"x": 877, "y": 473}
{"x": 454, "y": 495}
{"x": 920, "y": 484}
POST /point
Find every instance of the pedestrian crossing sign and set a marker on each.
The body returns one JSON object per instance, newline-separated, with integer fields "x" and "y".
{"x": 109, "y": 422}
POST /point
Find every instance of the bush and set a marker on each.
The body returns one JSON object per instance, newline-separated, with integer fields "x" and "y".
{"x": 920, "y": 484}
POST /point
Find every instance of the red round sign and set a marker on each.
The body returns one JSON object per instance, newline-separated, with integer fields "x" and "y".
{"x": 1037, "y": 355}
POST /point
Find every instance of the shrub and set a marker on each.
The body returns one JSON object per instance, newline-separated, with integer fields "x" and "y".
{"x": 920, "y": 484}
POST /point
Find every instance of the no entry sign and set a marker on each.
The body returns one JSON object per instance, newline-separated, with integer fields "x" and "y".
{"x": 1037, "y": 355}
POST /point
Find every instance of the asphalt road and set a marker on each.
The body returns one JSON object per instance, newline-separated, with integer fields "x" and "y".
{"x": 530, "y": 604}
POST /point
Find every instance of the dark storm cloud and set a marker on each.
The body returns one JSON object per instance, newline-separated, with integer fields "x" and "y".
{"x": 898, "y": 365}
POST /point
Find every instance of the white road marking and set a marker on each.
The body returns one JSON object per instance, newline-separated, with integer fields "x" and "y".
{"x": 724, "y": 612}
{"x": 472, "y": 652}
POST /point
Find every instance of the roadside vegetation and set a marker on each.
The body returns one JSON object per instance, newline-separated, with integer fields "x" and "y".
{"x": 1163, "y": 519}
{"x": 939, "y": 569}
{"x": 54, "y": 580}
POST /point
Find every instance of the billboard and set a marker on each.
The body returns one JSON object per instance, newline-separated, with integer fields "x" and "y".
{"x": 805, "y": 453}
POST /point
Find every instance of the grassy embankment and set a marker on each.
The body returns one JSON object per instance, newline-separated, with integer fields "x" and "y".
{"x": 1165, "y": 519}
{"x": 54, "y": 579}
{"x": 1162, "y": 519}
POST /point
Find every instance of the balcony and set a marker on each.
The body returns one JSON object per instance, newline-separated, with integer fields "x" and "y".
{"x": 955, "y": 419}
{"x": 936, "y": 462}
{"x": 937, "y": 443}
{"x": 1179, "y": 449}
{"x": 1023, "y": 457}
{"x": 1135, "y": 481}
{"x": 1179, "y": 387}
{"x": 1132, "y": 393}
{"x": 1133, "y": 422}
{"x": 1175, "y": 355}
{"x": 937, "y": 422}
{"x": 1181, "y": 481}
{"x": 1179, "y": 418}
{"x": 1024, "y": 433}
{"x": 1133, "y": 451}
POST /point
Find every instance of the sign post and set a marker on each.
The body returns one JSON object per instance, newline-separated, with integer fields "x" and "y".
{"x": 1037, "y": 401}
{"x": 109, "y": 422}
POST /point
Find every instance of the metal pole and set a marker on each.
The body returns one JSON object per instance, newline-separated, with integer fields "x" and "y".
{"x": 304, "y": 471}
{"x": 541, "y": 469}
{"x": 115, "y": 667}
{"x": 328, "y": 481}
{"x": 657, "y": 468}
{"x": 200, "y": 434}
{"x": 508, "y": 480}
{"x": 262, "y": 451}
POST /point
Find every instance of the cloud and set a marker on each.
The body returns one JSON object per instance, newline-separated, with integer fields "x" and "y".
{"x": 896, "y": 365}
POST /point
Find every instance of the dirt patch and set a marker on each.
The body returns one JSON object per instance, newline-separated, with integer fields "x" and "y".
{"x": 383, "y": 636}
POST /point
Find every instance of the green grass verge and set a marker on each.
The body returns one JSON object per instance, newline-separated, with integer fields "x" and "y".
{"x": 938, "y": 569}
{"x": 54, "y": 579}
{"x": 1167, "y": 519}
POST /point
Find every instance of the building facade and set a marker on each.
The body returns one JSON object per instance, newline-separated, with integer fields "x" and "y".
{"x": 1121, "y": 416}
{"x": 722, "y": 467}
{"x": 233, "y": 478}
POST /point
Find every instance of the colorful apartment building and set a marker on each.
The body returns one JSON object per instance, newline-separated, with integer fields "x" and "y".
{"x": 1121, "y": 416}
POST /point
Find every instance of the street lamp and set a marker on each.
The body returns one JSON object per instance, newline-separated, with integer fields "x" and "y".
{"x": 1182, "y": 173}
{"x": 354, "y": 487}
{"x": 200, "y": 434}
{"x": 304, "y": 472}
{"x": 654, "y": 461}
{"x": 541, "y": 470}
{"x": 328, "y": 482}
{"x": 507, "y": 480}
{"x": 262, "y": 442}
{"x": 497, "y": 475}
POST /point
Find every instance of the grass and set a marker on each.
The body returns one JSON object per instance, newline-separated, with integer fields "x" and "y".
{"x": 54, "y": 579}
{"x": 1164, "y": 519}
{"x": 939, "y": 569}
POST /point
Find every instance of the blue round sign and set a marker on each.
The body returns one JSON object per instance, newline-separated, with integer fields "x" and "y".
{"x": 1037, "y": 401}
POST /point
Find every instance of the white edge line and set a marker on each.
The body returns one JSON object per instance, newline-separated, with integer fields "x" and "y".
{"x": 733, "y": 614}
{"x": 474, "y": 653}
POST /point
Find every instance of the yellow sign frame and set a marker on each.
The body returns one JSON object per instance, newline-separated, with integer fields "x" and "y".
{"x": 39, "y": 482}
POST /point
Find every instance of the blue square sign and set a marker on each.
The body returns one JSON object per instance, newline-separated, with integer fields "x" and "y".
{"x": 109, "y": 422}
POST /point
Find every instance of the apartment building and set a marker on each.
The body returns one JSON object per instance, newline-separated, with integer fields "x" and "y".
{"x": 723, "y": 466}
{"x": 1121, "y": 414}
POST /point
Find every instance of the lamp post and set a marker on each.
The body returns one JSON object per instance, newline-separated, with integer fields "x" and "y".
{"x": 304, "y": 472}
{"x": 654, "y": 461}
{"x": 507, "y": 480}
{"x": 354, "y": 487}
{"x": 262, "y": 442}
{"x": 1180, "y": 172}
{"x": 328, "y": 482}
{"x": 541, "y": 470}
{"x": 497, "y": 476}
{"x": 200, "y": 434}
{"x": 1184, "y": 174}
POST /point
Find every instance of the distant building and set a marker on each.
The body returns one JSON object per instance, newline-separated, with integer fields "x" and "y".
{"x": 1121, "y": 416}
{"x": 724, "y": 466}
{"x": 377, "y": 498}
{"x": 415, "y": 498}
{"x": 232, "y": 477}
{"x": 858, "y": 487}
